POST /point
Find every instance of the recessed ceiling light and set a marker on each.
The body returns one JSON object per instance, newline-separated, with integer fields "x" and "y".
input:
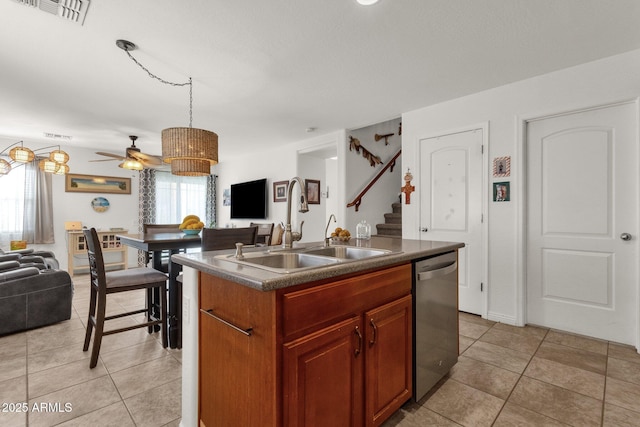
{"x": 367, "y": 2}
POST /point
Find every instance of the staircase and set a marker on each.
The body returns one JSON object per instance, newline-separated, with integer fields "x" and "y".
{"x": 392, "y": 226}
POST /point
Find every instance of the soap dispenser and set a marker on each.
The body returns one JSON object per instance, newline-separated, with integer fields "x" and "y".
{"x": 363, "y": 230}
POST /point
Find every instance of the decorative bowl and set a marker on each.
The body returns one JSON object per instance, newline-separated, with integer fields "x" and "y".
{"x": 340, "y": 239}
{"x": 194, "y": 231}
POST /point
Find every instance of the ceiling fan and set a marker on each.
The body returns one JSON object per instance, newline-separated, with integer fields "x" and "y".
{"x": 134, "y": 159}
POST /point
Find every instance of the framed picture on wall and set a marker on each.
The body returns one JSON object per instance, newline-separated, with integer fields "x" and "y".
{"x": 280, "y": 191}
{"x": 501, "y": 192}
{"x": 76, "y": 183}
{"x": 313, "y": 191}
{"x": 502, "y": 166}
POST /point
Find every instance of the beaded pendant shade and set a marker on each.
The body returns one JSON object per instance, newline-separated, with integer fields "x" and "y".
{"x": 190, "y": 151}
{"x": 22, "y": 154}
{"x": 49, "y": 166}
{"x": 58, "y": 156}
{"x": 5, "y": 167}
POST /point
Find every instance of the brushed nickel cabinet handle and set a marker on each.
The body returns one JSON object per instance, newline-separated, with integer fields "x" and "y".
{"x": 209, "y": 312}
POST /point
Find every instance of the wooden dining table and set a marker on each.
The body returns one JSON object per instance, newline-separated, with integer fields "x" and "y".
{"x": 156, "y": 243}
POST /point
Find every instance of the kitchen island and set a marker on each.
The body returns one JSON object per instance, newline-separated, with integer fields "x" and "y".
{"x": 276, "y": 348}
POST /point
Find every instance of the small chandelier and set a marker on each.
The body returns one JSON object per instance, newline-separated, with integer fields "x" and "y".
{"x": 55, "y": 163}
{"x": 190, "y": 151}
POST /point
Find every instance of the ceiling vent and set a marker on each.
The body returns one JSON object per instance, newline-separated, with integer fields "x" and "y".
{"x": 71, "y": 10}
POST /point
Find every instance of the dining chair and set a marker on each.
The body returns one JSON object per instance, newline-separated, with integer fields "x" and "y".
{"x": 265, "y": 230}
{"x": 105, "y": 283}
{"x": 156, "y": 229}
{"x": 226, "y": 238}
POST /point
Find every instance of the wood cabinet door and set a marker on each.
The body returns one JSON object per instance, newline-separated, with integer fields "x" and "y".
{"x": 388, "y": 367}
{"x": 323, "y": 377}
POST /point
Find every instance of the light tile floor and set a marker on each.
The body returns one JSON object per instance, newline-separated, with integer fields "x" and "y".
{"x": 505, "y": 376}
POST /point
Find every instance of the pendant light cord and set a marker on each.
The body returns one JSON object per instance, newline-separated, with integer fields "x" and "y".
{"x": 189, "y": 83}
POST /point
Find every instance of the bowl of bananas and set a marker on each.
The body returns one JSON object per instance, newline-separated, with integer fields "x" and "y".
{"x": 191, "y": 224}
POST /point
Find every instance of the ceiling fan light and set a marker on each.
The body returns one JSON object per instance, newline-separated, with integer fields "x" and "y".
{"x": 48, "y": 166}
{"x": 189, "y": 143}
{"x": 58, "y": 156}
{"x": 131, "y": 164}
{"x": 190, "y": 167}
{"x": 22, "y": 154}
{"x": 5, "y": 167}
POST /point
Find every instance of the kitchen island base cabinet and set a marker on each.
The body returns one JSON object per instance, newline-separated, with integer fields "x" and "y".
{"x": 336, "y": 352}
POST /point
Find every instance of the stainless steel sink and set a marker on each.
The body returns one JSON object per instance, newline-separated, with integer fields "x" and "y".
{"x": 294, "y": 260}
{"x": 347, "y": 252}
{"x": 282, "y": 262}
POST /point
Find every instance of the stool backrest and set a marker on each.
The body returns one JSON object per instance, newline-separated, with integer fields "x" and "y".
{"x": 96, "y": 261}
{"x": 226, "y": 238}
{"x": 160, "y": 228}
{"x": 265, "y": 230}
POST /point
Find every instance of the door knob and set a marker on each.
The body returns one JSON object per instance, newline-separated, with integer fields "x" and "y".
{"x": 424, "y": 230}
{"x": 625, "y": 236}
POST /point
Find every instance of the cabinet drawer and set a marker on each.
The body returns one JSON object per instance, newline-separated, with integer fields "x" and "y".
{"x": 312, "y": 308}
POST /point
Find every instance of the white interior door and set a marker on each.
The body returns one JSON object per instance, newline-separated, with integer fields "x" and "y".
{"x": 582, "y": 269}
{"x": 451, "y": 194}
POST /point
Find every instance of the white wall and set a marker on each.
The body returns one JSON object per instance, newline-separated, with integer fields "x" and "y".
{"x": 122, "y": 212}
{"x": 601, "y": 82}
{"x": 281, "y": 164}
{"x": 359, "y": 173}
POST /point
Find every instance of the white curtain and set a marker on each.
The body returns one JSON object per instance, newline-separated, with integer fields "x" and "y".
{"x": 179, "y": 196}
{"x": 12, "y": 206}
{"x": 38, "y": 205}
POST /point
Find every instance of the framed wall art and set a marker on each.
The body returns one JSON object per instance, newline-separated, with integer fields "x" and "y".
{"x": 501, "y": 192}
{"x": 280, "y": 191}
{"x": 313, "y": 191}
{"x": 502, "y": 166}
{"x": 76, "y": 183}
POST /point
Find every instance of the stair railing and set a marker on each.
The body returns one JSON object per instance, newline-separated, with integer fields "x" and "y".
{"x": 358, "y": 200}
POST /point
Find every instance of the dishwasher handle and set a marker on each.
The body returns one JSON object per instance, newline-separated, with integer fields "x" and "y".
{"x": 431, "y": 274}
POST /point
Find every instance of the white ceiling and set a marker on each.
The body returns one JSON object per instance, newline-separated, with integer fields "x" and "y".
{"x": 264, "y": 71}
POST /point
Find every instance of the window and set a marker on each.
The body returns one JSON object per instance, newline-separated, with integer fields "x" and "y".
{"x": 12, "y": 188}
{"x": 179, "y": 196}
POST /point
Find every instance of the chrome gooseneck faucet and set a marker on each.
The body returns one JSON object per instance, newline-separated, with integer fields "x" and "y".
{"x": 326, "y": 230}
{"x": 291, "y": 236}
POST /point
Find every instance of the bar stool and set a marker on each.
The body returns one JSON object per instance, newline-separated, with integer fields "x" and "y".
{"x": 103, "y": 284}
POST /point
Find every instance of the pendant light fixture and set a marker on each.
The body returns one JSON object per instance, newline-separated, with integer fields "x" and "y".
{"x": 189, "y": 150}
{"x": 55, "y": 162}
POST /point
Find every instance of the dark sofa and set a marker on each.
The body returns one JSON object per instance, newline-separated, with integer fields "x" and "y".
{"x": 32, "y": 294}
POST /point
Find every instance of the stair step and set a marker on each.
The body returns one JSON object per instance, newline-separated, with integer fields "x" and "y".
{"x": 389, "y": 229}
{"x": 393, "y": 218}
{"x": 397, "y": 207}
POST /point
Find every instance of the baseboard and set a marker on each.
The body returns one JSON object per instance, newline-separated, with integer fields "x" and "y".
{"x": 501, "y": 318}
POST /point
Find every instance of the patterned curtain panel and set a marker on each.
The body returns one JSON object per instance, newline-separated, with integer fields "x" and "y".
{"x": 211, "y": 214}
{"x": 146, "y": 203}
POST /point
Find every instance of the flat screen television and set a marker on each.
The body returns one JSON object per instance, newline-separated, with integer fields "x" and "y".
{"x": 249, "y": 200}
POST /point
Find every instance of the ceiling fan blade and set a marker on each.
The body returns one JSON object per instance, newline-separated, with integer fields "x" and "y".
{"x": 147, "y": 158}
{"x": 103, "y": 160}
{"x": 115, "y": 156}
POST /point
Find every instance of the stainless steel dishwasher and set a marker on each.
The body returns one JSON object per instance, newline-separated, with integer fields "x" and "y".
{"x": 435, "y": 299}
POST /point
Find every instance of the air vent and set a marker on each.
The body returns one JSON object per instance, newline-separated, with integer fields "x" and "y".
{"x": 57, "y": 136}
{"x": 71, "y": 10}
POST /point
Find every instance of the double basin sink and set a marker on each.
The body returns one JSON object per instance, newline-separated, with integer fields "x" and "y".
{"x": 294, "y": 260}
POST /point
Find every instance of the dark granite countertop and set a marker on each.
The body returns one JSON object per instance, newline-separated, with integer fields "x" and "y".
{"x": 402, "y": 251}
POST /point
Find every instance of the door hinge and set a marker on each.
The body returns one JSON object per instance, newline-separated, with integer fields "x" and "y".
{"x": 481, "y": 287}
{"x": 482, "y": 149}
{"x": 481, "y": 218}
